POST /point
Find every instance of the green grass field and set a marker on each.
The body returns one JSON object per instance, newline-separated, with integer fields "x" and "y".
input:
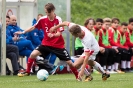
{"x": 67, "y": 81}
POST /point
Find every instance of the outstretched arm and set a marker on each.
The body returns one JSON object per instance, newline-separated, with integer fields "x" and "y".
{"x": 65, "y": 23}
{"x": 25, "y": 31}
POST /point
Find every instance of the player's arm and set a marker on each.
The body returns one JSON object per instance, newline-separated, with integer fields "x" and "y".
{"x": 54, "y": 34}
{"x": 25, "y": 31}
{"x": 85, "y": 62}
{"x": 65, "y": 23}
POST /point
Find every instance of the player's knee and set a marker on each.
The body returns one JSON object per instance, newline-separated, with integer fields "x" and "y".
{"x": 76, "y": 66}
{"x": 33, "y": 55}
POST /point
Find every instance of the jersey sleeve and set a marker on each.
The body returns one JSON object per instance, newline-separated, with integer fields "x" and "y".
{"x": 38, "y": 25}
{"x": 61, "y": 28}
{"x": 87, "y": 47}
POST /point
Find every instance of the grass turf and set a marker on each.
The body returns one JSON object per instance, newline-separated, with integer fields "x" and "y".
{"x": 67, "y": 81}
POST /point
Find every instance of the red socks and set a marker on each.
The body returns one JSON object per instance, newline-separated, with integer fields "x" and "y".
{"x": 29, "y": 64}
{"x": 75, "y": 72}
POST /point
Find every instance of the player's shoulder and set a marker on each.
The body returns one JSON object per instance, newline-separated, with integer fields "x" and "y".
{"x": 43, "y": 18}
{"x": 58, "y": 17}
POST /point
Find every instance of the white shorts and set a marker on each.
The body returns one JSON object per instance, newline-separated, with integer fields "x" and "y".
{"x": 92, "y": 56}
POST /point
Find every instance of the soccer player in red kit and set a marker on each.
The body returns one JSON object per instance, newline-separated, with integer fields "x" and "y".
{"x": 52, "y": 42}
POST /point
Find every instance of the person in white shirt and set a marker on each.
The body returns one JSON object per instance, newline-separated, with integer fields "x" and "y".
{"x": 91, "y": 48}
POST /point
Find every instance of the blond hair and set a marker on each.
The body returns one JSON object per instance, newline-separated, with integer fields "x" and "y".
{"x": 107, "y": 20}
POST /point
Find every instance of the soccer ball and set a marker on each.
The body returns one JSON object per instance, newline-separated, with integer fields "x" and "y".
{"x": 42, "y": 75}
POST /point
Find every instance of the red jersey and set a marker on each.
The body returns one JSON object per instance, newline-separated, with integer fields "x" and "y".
{"x": 114, "y": 37}
{"x": 129, "y": 33}
{"x": 103, "y": 32}
{"x": 45, "y": 24}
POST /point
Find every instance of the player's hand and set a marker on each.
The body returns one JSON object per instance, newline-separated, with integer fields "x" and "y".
{"x": 80, "y": 75}
{"x": 15, "y": 38}
{"x": 116, "y": 50}
{"x": 52, "y": 29}
{"x": 18, "y": 33}
{"x": 102, "y": 49}
{"x": 50, "y": 35}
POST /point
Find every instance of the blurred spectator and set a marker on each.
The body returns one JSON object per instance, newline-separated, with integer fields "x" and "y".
{"x": 25, "y": 46}
{"x": 12, "y": 52}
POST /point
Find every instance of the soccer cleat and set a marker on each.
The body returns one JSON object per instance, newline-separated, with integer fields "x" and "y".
{"x": 119, "y": 71}
{"x": 88, "y": 78}
{"x": 21, "y": 74}
{"x": 39, "y": 61}
{"x": 21, "y": 70}
{"x": 57, "y": 69}
{"x": 54, "y": 70}
{"x": 105, "y": 76}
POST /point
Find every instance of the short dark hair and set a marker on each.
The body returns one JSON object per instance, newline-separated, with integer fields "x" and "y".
{"x": 40, "y": 14}
{"x": 7, "y": 17}
{"x": 99, "y": 20}
{"x": 124, "y": 24}
{"x": 130, "y": 20}
{"x": 75, "y": 29}
{"x": 49, "y": 7}
{"x": 114, "y": 19}
{"x": 87, "y": 21}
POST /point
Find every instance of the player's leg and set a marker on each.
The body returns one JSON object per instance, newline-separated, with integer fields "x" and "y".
{"x": 63, "y": 55}
{"x": 38, "y": 51}
{"x": 78, "y": 64}
{"x": 97, "y": 66}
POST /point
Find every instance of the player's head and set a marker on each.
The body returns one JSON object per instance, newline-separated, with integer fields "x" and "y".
{"x": 7, "y": 20}
{"x": 13, "y": 20}
{"x": 99, "y": 23}
{"x": 130, "y": 23}
{"x": 115, "y": 22}
{"x": 89, "y": 23}
{"x": 39, "y": 16}
{"x": 106, "y": 23}
{"x": 75, "y": 30}
{"x": 49, "y": 9}
{"x": 123, "y": 27}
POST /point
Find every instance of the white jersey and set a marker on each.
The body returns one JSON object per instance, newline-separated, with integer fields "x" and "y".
{"x": 88, "y": 41}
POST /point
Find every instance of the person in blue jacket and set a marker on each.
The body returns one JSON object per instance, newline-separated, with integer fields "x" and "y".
{"x": 12, "y": 52}
{"x": 36, "y": 37}
{"x": 25, "y": 46}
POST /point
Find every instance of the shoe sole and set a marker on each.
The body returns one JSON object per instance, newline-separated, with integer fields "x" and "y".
{"x": 20, "y": 75}
{"x": 90, "y": 78}
{"x": 104, "y": 78}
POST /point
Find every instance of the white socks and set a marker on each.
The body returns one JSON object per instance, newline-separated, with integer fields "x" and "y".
{"x": 123, "y": 64}
{"x": 98, "y": 67}
{"x": 128, "y": 64}
{"x": 116, "y": 66}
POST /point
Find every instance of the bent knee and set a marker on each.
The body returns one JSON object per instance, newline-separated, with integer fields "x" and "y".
{"x": 76, "y": 66}
{"x": 34, "y": 54}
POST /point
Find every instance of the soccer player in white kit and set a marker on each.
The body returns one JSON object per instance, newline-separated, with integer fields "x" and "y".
{"x": 91, "y": 48}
